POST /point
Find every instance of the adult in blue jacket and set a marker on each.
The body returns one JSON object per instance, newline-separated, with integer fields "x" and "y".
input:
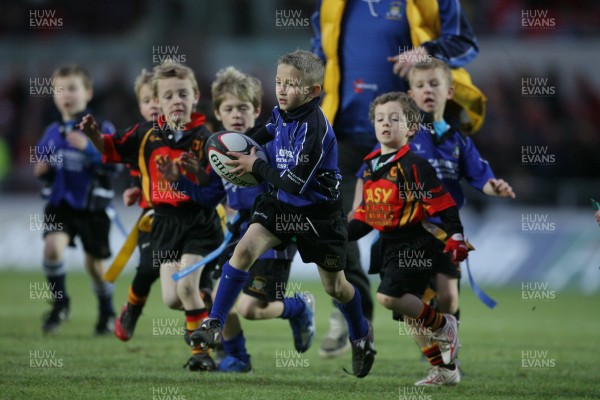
{"x": 368, "y": 47}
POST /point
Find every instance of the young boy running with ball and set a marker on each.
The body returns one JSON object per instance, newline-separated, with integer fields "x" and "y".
{"x": 305, "y": 182}
{"x": 236, "y": 103}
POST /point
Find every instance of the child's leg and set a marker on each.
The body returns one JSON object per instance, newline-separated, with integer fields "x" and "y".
{"x": 136, "y": 299}
{"x": 447, "y": 293}
{"x": 264, "y": 296}
{"x": 413, "y": 307}
{"x": 188, "y": 292}
{"x": 234, "y": 343}
{"x": 169, "y": 286}
{"x": 140, "y": 287}
{"x": 54, "y": 249}
{"x": 256, "y": 309}
{"x": 188, "y": 288}
{"x": 104, "y": 291}
{"x": 54, "y": 269}
{"x": 233, "y": 325}
{"x": 442, "y": 326}
{"x": 348, "y": 301}
{"x": 145, "y": 275}
{"x": 254, "y": 243}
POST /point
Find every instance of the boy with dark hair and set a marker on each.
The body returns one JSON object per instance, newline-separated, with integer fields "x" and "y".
{"x": 182, "y": 231}
{"x": 79, "y": 190}
{"x": 400, "y": 190}
{"x": 305, "y": 184}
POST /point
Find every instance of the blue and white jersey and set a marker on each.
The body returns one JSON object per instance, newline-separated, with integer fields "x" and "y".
{"x": 302, "y": 156}
{"x": 76, "y": 177}
{"x": 454, "y": 156}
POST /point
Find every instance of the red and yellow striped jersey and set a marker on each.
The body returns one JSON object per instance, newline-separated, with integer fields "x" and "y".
{"x": 400, "y": 190}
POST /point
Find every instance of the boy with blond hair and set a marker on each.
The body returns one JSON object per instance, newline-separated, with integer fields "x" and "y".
{"x": 79, "y": 190}
{"x": 182, "y": 230}
{"x": 454, "y": 157}
{"x": 145, "y": 274}
{"x": 304, "y": 178}
{"x": 236, "y": 104}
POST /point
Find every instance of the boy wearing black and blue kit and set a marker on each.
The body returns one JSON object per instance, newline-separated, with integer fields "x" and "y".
{"x": 78, "y": 190}
{"x": 305, "y": 184}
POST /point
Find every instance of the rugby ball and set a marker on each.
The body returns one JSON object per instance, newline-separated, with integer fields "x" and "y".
{"x": 217, "y": 147}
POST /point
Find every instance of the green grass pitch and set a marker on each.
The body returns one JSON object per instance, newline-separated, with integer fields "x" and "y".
{"x": 520, "y": 350}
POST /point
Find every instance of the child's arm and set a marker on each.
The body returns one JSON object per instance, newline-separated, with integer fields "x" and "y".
{"x": 437, "y": 201}
{"x": 260, "y": 135}
{"x": 132, "y": 194}
{"x": 190, "y": 162}
{"x": 358, "y": 192}
{"x": 81, "y": 142}
{"x": 42, "y": 169}
{"x": 498, "y": 187}
{"x": 357, "y": 229}
{"x": 208, "y": 195}
{"x": 455, "y": 244}
{"x": 358, "y": 189}
{"x": 479, "y": 174}
{"x": 121, "y": 147}
{"x": 358, "y": 226}
{"x": 90, "y": 128}
{"x": 308, "y": 155}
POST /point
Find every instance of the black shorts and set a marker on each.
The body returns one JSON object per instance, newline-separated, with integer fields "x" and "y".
{"x": 267, "y": 280}
{"x": 187, "y": 230}
{"x": 320, "y": 231}
{"x": 92, "y": 227}
{"x": 410, "y": 263}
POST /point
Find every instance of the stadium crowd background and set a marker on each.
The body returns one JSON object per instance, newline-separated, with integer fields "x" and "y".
{"x": 116, "y": 39}
{"x": 546, "y": 47}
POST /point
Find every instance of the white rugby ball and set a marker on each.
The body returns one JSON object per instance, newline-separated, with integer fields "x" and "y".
{"x": 217, "y": 147}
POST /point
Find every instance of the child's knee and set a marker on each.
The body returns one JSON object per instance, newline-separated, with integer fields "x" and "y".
{"x": 385, "y": 300}
{"x": 448, "y": 302}
{"x": 52, "y": 252}
{"x": 243, "y": 256}
{"x": 249, "y": 308}
{"x": 171, "y": 301}
{"x": 334, "y": 289}
{"x": 246, "y": 311}
{"x": 186, "y": 290}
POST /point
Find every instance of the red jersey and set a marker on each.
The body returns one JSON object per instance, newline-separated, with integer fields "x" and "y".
{"x": 400, "y": 192}
{"x": 146, "y": 145}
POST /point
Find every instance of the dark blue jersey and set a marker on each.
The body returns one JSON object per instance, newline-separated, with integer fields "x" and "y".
{"x": 454, "y": 156}
{"x": 303, "y": 157}
{"x": 76, "y": 177}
